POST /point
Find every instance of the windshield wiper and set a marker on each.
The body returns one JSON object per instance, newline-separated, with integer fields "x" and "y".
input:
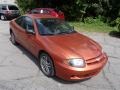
{"x": 66, "y": 32}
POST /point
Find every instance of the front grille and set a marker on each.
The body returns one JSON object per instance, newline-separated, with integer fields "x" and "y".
{"x": 95, "y": 60}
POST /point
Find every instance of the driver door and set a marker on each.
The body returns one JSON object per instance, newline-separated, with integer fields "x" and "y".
{"x": 30, "y": 36}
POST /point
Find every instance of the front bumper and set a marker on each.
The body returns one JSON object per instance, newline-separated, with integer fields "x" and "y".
{"x": 67, "y": 72}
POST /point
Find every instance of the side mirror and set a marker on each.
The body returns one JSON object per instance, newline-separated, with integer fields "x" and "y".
{"x": 30, "y": 31}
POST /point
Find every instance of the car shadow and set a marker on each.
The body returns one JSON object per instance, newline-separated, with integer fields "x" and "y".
{"x": 28, "y": 54}
{"x": 115, "y": 34}
{"x": 69, "y": 82}
{"x": 36, "y": 62}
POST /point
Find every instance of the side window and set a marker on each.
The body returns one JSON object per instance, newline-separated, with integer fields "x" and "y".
{"x": 12, "y": 7}
{"x": 29, "y": 24}
{"x": 45, "y": 11}
{"x": 0, "y": 7}
{"x": 35, "y": 12}
{"x": 20, "y": 21}
{"x": 4, "y": 8}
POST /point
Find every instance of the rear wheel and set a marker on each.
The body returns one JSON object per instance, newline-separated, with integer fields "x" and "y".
{"x": 12, "y": 38}
{"x": 46, "y": 65}
{"x": 2, "y": 17}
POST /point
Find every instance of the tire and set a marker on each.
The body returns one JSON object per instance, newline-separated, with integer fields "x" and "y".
{"x": 2, "y": 17}
{"x": 12, "y": 38}
{"x": 46, "y": 65}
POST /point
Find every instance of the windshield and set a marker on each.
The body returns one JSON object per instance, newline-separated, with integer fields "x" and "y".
{"x": 12, "y": 7}
{"x": 53, "y": 27}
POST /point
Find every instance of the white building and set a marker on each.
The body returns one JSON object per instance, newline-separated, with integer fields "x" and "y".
{"x": 7, "y": 1}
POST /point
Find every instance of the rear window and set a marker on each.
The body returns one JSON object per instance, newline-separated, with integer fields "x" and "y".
{"x": 41, "y": 11}
{"x": 45, "y": 11}
{"x": 11, "y": 7}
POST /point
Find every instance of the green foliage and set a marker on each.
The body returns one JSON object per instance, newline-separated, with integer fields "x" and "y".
{"x": 26, "y": 5}
{"x": 93, "y": 27}
{"x": 118, "y": 20}
{"x": 88, "y": 11}
{"x": 94, "y": 21}
{"x": 89, "y": 20}
{"x": 77, "y": 9}
{"x": 118, "y": 23}
{"x": 119, "y": 27}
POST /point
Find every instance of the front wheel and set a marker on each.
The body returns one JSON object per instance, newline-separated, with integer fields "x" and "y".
{"x": 12, "y": 38}
{"x": 46, "y": 65}
{"x": 2, "y": 17}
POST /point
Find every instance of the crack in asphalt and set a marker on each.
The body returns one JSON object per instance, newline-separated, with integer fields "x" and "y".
{"x": 15, "y": 85}
{"x": 109, "y": 67}
{"x": 109, "y": 70}
{"x": 3, "y": 59}
{"x": 29, "y": 77}
{"x": 114, "y": 57}
{"x": 108, "y": 81}
{"x": 94, "y": 87}
{"x": 3, "y": 87}
{"x": 88, "y": 86}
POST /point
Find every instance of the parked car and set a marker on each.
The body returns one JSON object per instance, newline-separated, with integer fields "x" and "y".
{"x": 60, "y": 50}
{"x": 8, "y": 11}
{"x": 49, "y": 11}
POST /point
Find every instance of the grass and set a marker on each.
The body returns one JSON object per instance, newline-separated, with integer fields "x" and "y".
{"x": 93, "y": 27}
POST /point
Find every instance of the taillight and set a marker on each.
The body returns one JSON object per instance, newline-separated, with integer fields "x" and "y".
{"x": 54, "y": 14}
{"x": 61, "y": 15}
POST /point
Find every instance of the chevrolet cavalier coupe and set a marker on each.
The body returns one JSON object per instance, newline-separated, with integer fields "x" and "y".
{"x": 61, "y": 51}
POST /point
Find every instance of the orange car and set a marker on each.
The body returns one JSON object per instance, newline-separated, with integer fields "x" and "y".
{"x": 61, "y": 50}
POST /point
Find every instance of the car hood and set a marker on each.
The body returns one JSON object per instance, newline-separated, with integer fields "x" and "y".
{"x": 75, "y": 45}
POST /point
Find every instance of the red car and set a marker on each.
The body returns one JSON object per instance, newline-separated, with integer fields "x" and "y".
{"x": 48, "y": 11}
{"x": 61, "y": 50}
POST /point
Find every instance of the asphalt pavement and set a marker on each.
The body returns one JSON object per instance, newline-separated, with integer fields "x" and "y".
{"x": 19, "y": 69}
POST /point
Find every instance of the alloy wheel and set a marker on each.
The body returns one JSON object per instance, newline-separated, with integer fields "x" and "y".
{"x": 13, "y": 38}
{"x": 2, "y": 17}
{"x": 46, "y": 65}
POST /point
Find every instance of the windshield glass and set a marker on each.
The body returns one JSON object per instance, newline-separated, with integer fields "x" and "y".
{"x": 12, "y": 7}
{"x": 53, "y": 27}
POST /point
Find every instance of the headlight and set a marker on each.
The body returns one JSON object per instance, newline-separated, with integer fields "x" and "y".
{"x": 80, "y": 63}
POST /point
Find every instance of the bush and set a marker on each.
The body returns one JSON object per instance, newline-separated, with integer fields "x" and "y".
{"x": 118, "y": 23}
{"x": 94, "y": 21}
{"x": 89, "y": 20}
{"x": 119, "y": 27}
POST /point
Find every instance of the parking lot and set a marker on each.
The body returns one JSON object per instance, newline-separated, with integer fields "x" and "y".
{"x": 19, "y": 69}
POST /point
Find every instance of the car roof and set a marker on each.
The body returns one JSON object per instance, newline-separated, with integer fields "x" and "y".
{"x": 43, "y": 9}
{"x": 36, "y": 16}
{"x": 7, "y": 4}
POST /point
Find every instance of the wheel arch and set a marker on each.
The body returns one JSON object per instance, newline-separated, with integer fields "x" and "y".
{"x": 43, "y": 51}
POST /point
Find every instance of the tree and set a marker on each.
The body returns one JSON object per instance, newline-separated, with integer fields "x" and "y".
{"x": 77, "y": 9}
